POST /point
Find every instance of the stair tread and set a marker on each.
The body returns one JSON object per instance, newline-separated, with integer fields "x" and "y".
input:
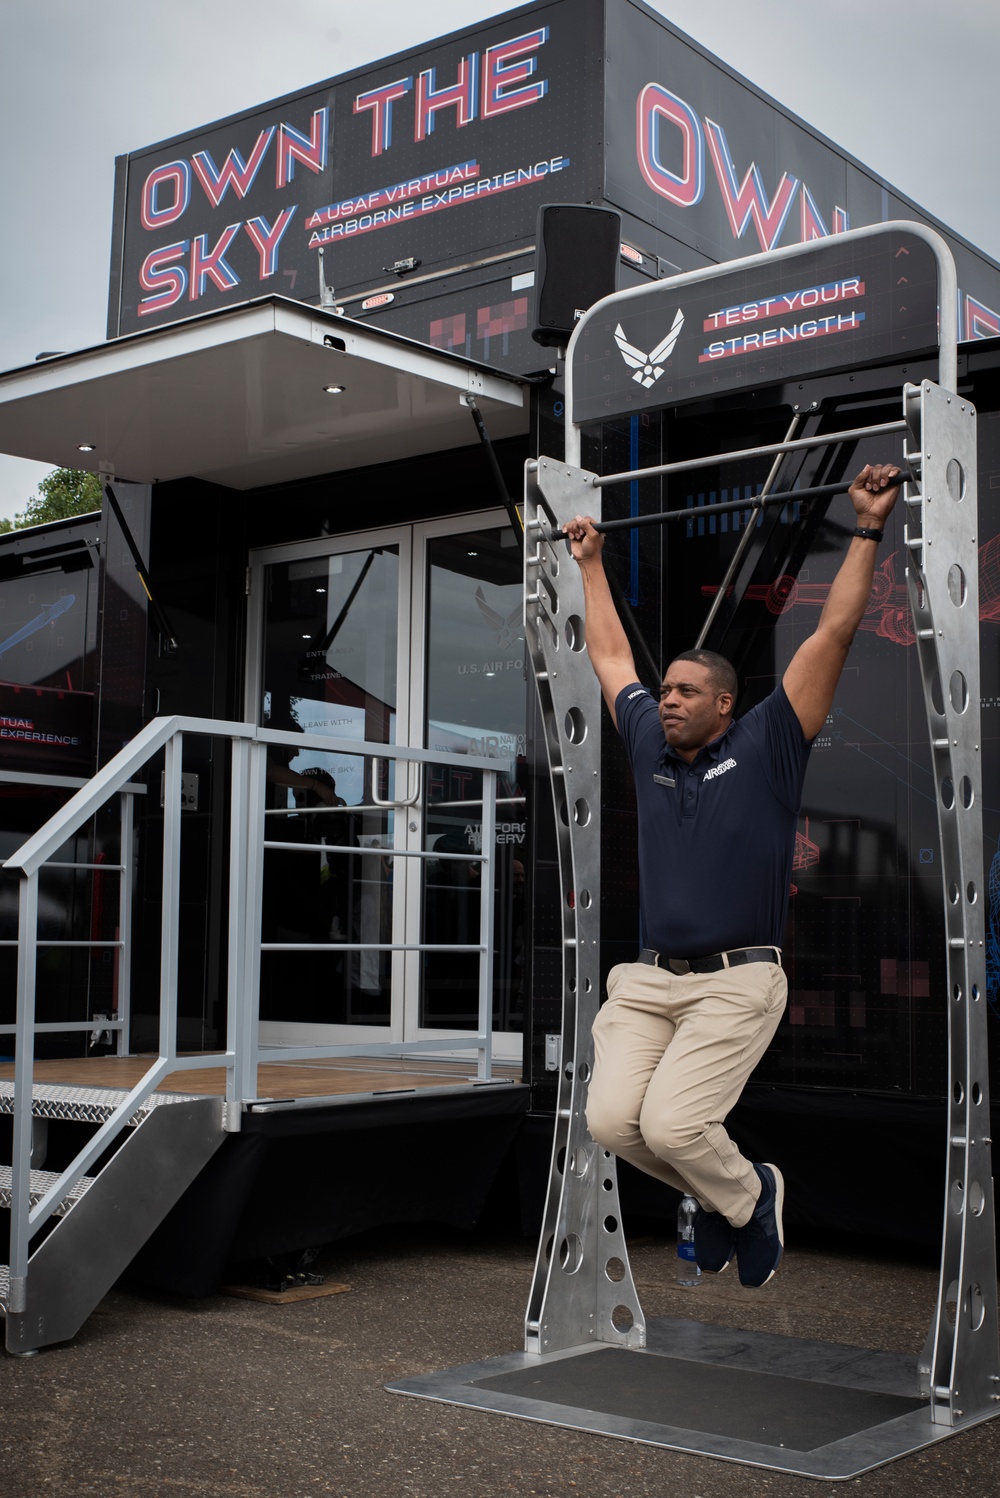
{"x": 85, "y": 1104}
{"x": 40, "y": 1182}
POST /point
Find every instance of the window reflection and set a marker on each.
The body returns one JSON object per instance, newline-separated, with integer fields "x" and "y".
{"x": 476, "y": 702}
{"x": 330, "y": 643}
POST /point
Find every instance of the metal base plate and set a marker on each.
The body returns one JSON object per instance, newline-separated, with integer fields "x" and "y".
{"x": 816, "y": 1409}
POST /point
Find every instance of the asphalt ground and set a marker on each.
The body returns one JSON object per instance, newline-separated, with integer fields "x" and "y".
{"x": 229, "y": 1398}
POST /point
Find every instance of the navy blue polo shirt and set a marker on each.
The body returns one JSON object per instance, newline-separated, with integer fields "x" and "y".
{"x": 716, "y": 837}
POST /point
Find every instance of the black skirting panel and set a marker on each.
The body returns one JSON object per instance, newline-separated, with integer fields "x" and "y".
{"x": 296, "y": 1179}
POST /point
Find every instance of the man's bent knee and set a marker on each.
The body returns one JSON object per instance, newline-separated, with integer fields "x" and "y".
{"x": 671, "y": 1137}
{"x": 610, "y": 1129}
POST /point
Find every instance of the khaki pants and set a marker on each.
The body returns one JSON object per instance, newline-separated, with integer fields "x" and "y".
{"x": 671, "y": 1057}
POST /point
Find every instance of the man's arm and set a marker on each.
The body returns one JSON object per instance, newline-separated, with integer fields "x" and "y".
{"x": 607, "y": 644}
{"x": 814, "y": 671}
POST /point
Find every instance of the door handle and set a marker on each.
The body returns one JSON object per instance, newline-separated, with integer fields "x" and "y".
{"x": 391, "y": 804}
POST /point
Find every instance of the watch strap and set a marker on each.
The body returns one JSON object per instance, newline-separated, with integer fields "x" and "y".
{"x": 868, "y": 533}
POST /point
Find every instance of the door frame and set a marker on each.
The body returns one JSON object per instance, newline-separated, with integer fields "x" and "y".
{"x": 412, "y": 539}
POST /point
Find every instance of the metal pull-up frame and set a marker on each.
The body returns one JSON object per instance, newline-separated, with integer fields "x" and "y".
{"x": 591, "y": 1362}
{"x": 583, "y": 1291}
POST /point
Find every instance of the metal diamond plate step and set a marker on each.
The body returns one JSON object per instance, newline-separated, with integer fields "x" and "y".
{"x": 4, "y": 1286}
{"x": 40, "y": 1182}
{"x": 84, "y": 1104}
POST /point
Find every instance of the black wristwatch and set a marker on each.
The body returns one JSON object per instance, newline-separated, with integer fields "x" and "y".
{"x": 867, "y": 533}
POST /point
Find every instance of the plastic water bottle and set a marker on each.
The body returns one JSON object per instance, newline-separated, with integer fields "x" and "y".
{"x": 688, "y": 1273}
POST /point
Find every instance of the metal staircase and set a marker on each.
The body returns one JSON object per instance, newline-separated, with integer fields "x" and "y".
{"x": 74, "y": 1231}
{"x": 103, "y": 1220}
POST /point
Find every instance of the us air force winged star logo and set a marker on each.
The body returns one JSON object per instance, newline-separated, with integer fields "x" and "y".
{"x": 649, "y": 367}
{"x": 503, "y": 626}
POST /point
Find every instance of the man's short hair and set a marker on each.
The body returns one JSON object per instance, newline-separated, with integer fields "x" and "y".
{"x": 720, "y": 671}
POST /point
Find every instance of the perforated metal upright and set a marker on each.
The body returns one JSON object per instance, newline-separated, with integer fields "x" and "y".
{"x": 960, "y": 1370}
{"x": 582, "y": 1289}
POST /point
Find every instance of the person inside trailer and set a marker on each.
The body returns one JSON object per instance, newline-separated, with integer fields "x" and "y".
{"x": 718, "y": 798}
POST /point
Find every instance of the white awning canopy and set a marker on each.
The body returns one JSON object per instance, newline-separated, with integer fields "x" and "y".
{"x": 247, "y": 397}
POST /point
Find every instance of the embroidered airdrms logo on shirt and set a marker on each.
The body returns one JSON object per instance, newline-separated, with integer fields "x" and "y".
{"x": 727, "y": 764}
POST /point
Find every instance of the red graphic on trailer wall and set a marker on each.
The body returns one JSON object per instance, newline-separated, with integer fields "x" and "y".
{"x": 506, "y": 317}
{"x": 45, "y": 729}
{"x": 806, "y": 855}
{"x": 888, "y": 612}
{"x": 713, "y": 164}
{"x": 448, "y": 332}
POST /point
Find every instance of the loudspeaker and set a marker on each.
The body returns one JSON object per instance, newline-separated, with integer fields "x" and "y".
{"x": 576, "y": 263}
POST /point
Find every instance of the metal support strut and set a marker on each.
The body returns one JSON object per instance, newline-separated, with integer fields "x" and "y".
{"x": 582, "y": 1289}
{"x": 960, "y": 1370}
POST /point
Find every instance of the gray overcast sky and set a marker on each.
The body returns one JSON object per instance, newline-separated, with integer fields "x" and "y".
{"x": 83, "y": 82}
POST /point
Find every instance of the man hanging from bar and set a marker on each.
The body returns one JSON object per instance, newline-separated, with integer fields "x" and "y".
{"x": 718, "y": 799}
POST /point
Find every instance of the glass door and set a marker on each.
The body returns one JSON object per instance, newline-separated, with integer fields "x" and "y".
{"x": 469, "y": 696}
{"x": 410, "y": 636}
{"x": 329, "y": 658}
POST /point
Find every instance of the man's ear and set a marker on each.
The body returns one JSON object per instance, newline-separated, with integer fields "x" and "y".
{"x": 725, "y": 701}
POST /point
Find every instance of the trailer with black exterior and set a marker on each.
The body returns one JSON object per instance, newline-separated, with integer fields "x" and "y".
{"x": 321, "y": 534}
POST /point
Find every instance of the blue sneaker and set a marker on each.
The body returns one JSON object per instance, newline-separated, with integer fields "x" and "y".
{"x": 759, "y": 1243}
{"x": 714, "y": 1241}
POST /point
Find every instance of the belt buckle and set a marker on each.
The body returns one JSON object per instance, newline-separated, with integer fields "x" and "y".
{"x": 679, "y": 966}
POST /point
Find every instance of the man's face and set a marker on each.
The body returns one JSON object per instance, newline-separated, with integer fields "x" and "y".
{"x": 692, "y": 712}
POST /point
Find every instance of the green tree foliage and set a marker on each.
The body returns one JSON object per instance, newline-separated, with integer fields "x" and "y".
{"x": 61, "y": 493}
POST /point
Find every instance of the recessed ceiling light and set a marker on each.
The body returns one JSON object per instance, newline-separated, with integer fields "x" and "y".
{"x": 334, "y": 389}
{"x": 86, "y": 447}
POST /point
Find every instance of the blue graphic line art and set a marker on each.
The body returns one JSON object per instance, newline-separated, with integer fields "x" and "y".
{"x": 865, "y": 755}
{"x": 993, "y": 936}
{"x": 49, "y": 612}
{"x": 633, "y": 509}
{"x": 840, "y": 713}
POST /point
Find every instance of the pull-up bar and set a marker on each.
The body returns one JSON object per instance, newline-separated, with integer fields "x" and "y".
{"x": 604, "y": 480}
{"x": 687, "y": 465}
{"x": 697, "y": 512}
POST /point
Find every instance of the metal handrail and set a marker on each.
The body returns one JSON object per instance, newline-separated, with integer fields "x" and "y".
{"x": 314, "y": 811}
{"x": 56, "y": 782}
{"x": 365, "y": 748}
{"x": 111, "y": 778}
{"x": 242, "y": 1054}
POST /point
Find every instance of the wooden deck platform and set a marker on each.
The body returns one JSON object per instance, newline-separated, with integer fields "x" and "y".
{"x": 341, "y": 1076}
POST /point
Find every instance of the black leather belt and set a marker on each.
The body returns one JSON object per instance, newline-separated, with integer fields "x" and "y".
{"x": 713, "y": 963}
